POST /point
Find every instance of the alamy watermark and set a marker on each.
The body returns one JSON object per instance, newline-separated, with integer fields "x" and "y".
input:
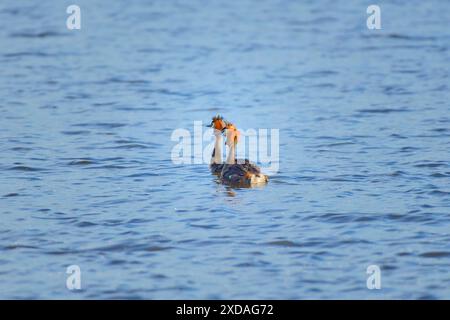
{"x": 74, "y": 20}
{"x": 73, "y": 281}
{"x": 196, "y": 147}
{"x": 374, "y": 279}
{"x": 374, "y": 20}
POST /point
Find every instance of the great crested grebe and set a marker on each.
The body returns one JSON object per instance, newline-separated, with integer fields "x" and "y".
{"x": 219, "y": 125}
{"x": 234, "y": 172}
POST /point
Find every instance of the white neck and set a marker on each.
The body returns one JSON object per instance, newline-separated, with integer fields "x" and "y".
{"x": 231, "y": 154}
{"x": 217, "y": 158}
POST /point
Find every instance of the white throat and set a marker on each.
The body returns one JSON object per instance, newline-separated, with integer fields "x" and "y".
{"x": 217, "y": 158}
{"x": 231, "y": 154}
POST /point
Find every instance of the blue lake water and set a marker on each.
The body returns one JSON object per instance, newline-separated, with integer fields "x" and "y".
{"x": 86, "y": 176}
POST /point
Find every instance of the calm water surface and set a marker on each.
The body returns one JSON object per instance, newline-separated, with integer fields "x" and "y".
{"x": 86, "y": 176}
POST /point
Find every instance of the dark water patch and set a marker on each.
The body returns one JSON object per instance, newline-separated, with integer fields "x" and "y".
{"x": 120, "y": 247}
{"x": 337, "y": 179}
{"x": 407, "y": 71}
{"x": 86, "y": 224}
{"x": 127, "y": 247}
{"x": 398, "y": 136}
{"x": 25, "y": 168}
{"x": 435, "y": 254}
{"x": 415, "y": 191}
{"x": 252, "y": 264}
{"x": 49, "y": 106}
{"x": 411, "y": 216}
{"x": 337, "y": 144}
{"x": 117, "y": 262}
{"x": 81, "y": 162}
{"x": 77, "y": 96}
{"x": 439, "y": 175}
{"x": 284, "y": 243}
{"x": 187, "y": 241}
{"x": 332, "y": 150}
{"x": 107, "y": 166}
{"x": 395, "y": 90}
{"x": 39, "y": 35}
{"x": 207, "y": 93}
{"x": 387, "y": 267}
{"x": 104, "y": 104}
{"x": 113, "y": 222}
{"x": 21, "y": 149}
{"x": 143, "y": 175}
{"x": 336, "y": 217}
{"x": 75, "y": 132}
{"x": 397, "y": 173}
{"x": 55, "y": 218}
{"x": 337, "y": 138}
{"x": 130, "y": 146}
{"x": 35, "y": 54}
{"x": 320, "y": 74}
{"x": 323, "y": 86}
{"x": 440, "y": 130}
{"x": 348, "y": 178}
{"x": 137, "y": 220}
{"x": 101, "y": 125}
{"x": 139, "y": 108}
{"x": 110, "y": 203}
{"x": 206, "y": 226}
{"x": 13, "y": 11}
{"x": 131, "y": 141}
{"x": 366, "y": 218}
{"x": 404, "y": 254}
{"x": 408, "y": 149}
{"x": 167, "y": 92}
{"x": 398, "y": 36}
{"x": 110, "y": 159}
{"x": 152, "y": 50}
{"x": 439, "y": 136}
{"x": 432, "y": 164}
{"x": 383, "y": 110}
{"x": 298, "y": 178}
{"x": 152, "y": 70}
{"x": 439, "y": 193}
{"x": 127, "y": 81}
{"x": 10, "y": 195}
{"x": 163, "y": 202}
{"x": 19, "y": 246}
{"x": 157, "y": 248}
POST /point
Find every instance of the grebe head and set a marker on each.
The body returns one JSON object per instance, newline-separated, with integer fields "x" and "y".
{"x": 218, "y": 123}
{"x": 233, "y": 134}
